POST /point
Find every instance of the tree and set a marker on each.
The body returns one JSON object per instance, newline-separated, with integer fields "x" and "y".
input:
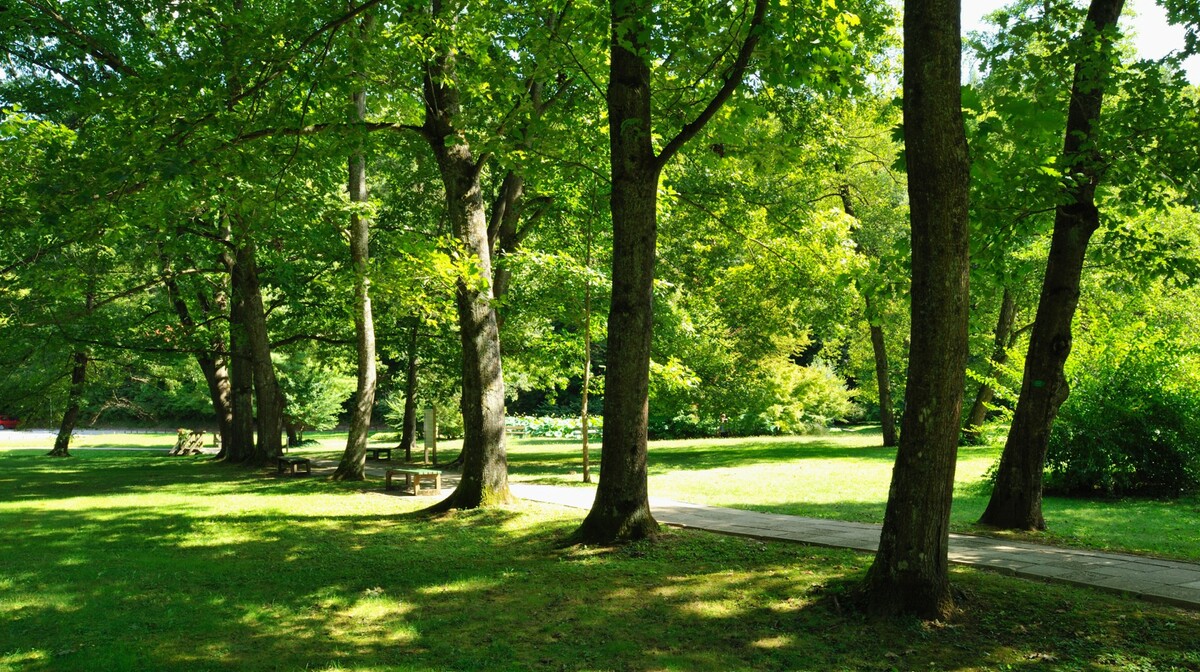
{"x": 1016, "y": 501}
{"x": 485, "y": 472}
{"x": 909, "y": 574}
{"x": 621, "y": 510}
{"x": 354, "y": 458}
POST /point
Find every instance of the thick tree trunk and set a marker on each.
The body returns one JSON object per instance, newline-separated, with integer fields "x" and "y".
{"x": 621, "y": 510}
{"x": 268, "y": 398}
{"x": 240, "y": 446}
{"x": 354, "y": 458}
{"x": 909, "y": 574}
{"x": 62, "y": 443}
{"x": 1016, "y": 501}
{"x": 983, "y": 396}
{"x": 484, "y": 480}
{"x": 408, "y": 437}
{"x": 216, "y": 376}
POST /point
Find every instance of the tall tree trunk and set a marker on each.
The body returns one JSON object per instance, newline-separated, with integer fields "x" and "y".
{"x": 62, "y": 443}
{"x": 484, "y": 480}
{"x": 408, "y": 437}
{"x": 621, "y": 510}
{"x": 354, "y": 458}
{"x": 1016, "y": 501}
{"x": 211, "y": 362}
{"x": 887, "y": 414}
{"x": 268, "y": 398}
{"x": 240, "y": 446}
{"x": 909, "y": 574}
{"x": 983, "y": 396}
{"x": 587, "y": 347}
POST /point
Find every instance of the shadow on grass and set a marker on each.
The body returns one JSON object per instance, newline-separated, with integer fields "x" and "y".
{"x": 327, "y": 577}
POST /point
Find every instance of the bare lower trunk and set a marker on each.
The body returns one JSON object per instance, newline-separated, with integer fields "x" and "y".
{"x": 587, "y": 352}
{"x": 983, "y": 396}
{"x": 1016, "y": 501}
{"x": 621, "y": 510}
{"x": 268, "y": 397}
{"x": 887, "y": 414}
{"x": 909, "y": 574}
{"x": 484, "y": 480}
{"x": 62, "y": 443}
{"x": 354, "y": 458}
{"x": 408, "y": 437}
{"x": 216, "y": 376}
{"x": 241, "y": 382}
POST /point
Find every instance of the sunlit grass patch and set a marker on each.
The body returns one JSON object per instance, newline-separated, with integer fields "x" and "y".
{"x": 144, "y": 563}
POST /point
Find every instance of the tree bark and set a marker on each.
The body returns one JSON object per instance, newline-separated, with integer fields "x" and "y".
{"x": 354, "y": 458}
{"x": 621, "y": 510}
{"x": 241, "y": 371}
{"x": 267, "y": 396}
{"x": 62, "y": 443}
{"x": 909, "y": 574}
{"x": 408, "y": 437}
{"x": 1016, "y": 501}
{"x": 985, "y": 393}
{"x": 484, "y": 480}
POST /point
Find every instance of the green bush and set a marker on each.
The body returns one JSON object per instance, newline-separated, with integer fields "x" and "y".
{"x": 1127, "y": 429}
{"x": 552, "y": 426}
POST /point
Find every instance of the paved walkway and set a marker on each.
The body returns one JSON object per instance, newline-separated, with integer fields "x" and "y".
{"x": 1176, "y": 583}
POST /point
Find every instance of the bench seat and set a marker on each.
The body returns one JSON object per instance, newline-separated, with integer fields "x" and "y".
{"x": 413, "y": 477}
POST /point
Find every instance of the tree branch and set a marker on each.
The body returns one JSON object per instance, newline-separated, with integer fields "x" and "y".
{"x": 736, "y": 72}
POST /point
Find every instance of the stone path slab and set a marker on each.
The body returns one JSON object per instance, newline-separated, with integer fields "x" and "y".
{"x": 1166, "y": 581}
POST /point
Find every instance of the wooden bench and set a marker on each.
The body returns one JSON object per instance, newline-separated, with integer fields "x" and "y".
{"x": 292, "y": 465}
{"x": 515, "y": 431}
{"x": 374, "y": 453}
{"x": 412, "y": 478}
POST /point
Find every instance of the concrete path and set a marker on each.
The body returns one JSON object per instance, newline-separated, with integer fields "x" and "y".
{"x": 1176, "y": 583}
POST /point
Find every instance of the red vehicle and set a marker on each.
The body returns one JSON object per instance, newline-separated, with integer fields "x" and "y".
{"x": 8, "y": 423}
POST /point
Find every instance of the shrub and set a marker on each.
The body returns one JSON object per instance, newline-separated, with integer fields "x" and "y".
{"x": 1127, "y": 429}
{"x": 551, "y": 426}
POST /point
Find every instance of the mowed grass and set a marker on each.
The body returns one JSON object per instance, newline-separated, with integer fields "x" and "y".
{"x": 135, "y": 561}
{"x": 845, "y": 475}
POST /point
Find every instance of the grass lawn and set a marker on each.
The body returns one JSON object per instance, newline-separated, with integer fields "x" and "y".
{"x": 845, "y": 475}
{"x": 136, "y": 561}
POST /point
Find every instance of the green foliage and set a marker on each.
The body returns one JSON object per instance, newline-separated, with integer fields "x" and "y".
{"x": 313, "y": 391}
{"x": 449, "y": 415}
{"x": 1131, "y": 422}
{"x": 555, "y": 427}
{"x": 1127, "y": 430}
